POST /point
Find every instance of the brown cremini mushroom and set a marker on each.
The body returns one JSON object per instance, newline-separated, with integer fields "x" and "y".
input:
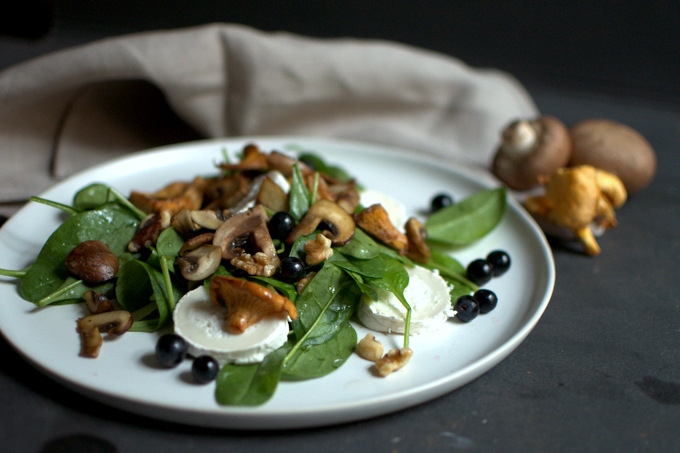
{"x": 93, "y": 262}
{"x": 616, "y": 148}
{"x": 530, "y": 149}
{"x": 199, "y": 259}
{"x": 248, "y": 302}
{"x": 245, "y": 232}
{"x": 336, "y": 223}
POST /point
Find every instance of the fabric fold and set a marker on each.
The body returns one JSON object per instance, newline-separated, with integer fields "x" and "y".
{"x": 68, "y": 110}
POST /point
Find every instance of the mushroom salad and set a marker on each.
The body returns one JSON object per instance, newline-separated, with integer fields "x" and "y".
{"x": 259, "y": 272}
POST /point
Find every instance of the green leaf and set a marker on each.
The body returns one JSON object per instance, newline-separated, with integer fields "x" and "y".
{"x": 314, "y": 361}
{"x": 327, "y": 301}
{"x": 468, "y": 220}
{"x": 361, "y": 246}
{"x": 140, "y": 284}
{"x": 111, "y": 224}
{"x": 250, "y": 385}
{"x": 299, "y": 198}
{"x": 97, "y": 194}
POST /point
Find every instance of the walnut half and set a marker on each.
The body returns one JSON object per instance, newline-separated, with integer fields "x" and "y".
{"x": 394, "y": 360}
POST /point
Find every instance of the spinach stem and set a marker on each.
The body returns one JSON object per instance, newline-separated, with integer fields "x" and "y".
{"x": 14, "y": 273}
{"x": 168, "y": 283}
{"x": 62, "y": 207}
{"x": 61, "y": 291}
{"x": 125, "y": 202}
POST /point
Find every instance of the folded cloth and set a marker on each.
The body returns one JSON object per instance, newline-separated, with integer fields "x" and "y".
{"x": 67, "y": 110}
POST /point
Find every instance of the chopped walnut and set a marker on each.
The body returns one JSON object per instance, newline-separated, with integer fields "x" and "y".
{"x": 394, "y": 360}
{"x": 149, "y": 230}
{"x": 258, "y": 264}
{"x": 318, "y": 250}
{"x": 369, "y": 348}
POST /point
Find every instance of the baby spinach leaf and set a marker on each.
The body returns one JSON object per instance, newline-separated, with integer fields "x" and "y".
{"x": 111, "y": 224}
{"x": 97, "y": 194}
{"x": 468, "y": 220}
{"x": 299, "y": 198}
{"x": 362, "y": 246}
{"x": 71, "y": 291}
{"x": 327, "y": 301}
{"x": 250, "y": 385}
{"x": 318, "y": 164}
{"x": 140, "y": 284}
{"x": 314, "y": 361}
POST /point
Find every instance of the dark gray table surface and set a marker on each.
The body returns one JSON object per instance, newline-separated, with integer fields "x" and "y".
{"x": 600, "y": 372}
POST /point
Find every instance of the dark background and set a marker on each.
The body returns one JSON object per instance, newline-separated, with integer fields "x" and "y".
{"x": 599, "y": 373}
{"x": 629, "y": 48}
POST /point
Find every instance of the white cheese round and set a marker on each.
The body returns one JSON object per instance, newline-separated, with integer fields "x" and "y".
{"x": 202, "y": 323}
{"x": 428, "y": 295}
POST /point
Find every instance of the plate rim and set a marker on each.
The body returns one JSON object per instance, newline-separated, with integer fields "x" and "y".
{"x": 345, "y": 412}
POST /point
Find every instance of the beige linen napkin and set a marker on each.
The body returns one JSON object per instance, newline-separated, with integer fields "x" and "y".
{"x": 70, "y": 109}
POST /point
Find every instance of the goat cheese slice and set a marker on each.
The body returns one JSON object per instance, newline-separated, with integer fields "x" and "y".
{"x": 201, "y": 323}
{"x": 428, "y": 295}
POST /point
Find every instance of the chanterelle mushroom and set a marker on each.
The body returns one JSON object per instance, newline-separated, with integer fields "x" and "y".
{"x": 531, "y": 149}
{"x": 575, "y": 200}
{"x": 247, "y": 302}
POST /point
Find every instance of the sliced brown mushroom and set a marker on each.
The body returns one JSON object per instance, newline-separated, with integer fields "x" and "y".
{"x": 97, "y": 302}
{"x": 247, "y": 302}
{"x": 198, "y": 258}
{"x": 188, "y": 222}
{"x": 336, "y": 223}
{"x": 93, "y": 262}
{"x": 114, "y": 323}
{"x": 246, "y": 232}
{"x": 283, "y": 163}
{"x": 530, "y": 149}
{"x": 375, "y": 221}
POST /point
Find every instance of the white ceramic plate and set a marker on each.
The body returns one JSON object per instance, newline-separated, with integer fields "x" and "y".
{"x": 126, "y": 377}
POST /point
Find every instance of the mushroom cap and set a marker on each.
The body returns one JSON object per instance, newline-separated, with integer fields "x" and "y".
{"x": 248, "y": 302}
{"x": 531, "y": 149}
{"x": 616, "y": 148}
{"x": 338, "y": 224}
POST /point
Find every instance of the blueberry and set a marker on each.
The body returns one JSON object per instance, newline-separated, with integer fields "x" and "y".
{"x": 440, "y": 201}
{"x": 292, "y": 269}
{"x": 467, "y": 308}
{"x": 170, "y": 350}
{"x": 204, "y": 369}
{"x": 280, "y": 225}
{"x": 499, "y": 261}
{"x": 486, "y": 299}
{"x": 479, "y": 271}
